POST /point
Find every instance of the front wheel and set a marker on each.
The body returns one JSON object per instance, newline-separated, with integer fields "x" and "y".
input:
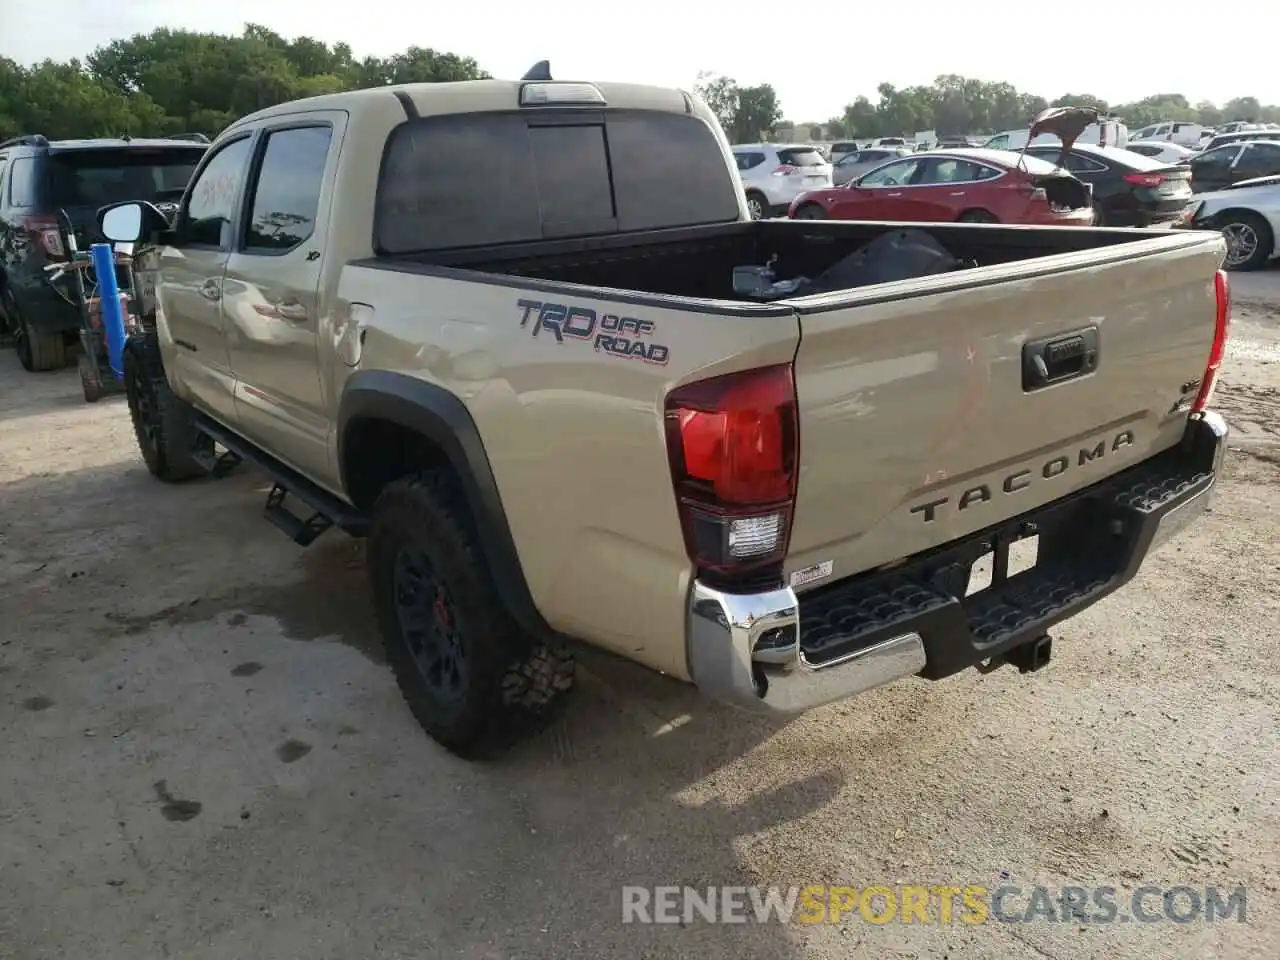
{"x": 977, "y": 216}
{"x": 1250, "y": 242}
{"x": 810, "y": 211}
{"x": 471, "y": 677}
{"x": 168, "y": 439}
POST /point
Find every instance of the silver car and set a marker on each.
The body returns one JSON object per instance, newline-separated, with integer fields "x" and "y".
{"x": 1248, "y": 214}
{"x": 774, "y": 174}
{"x": 853, "y": 165}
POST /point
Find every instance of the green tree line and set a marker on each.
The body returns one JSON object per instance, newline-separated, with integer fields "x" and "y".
{"x": 178, "y": 81}
{"x": 175, "y": 81}
{"x": 954, "y": 105}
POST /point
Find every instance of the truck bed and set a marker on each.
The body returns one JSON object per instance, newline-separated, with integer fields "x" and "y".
{"x": 920, "y": 418}
{"x": 698, "y": 262}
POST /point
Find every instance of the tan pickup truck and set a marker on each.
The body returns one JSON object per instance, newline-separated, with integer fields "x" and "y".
{"x": 507, "y": 331}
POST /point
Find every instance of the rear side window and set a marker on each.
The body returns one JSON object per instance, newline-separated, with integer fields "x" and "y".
{"x": 489, "y": 179}
{"x": 287, "y": 194}
{"x": 748, "y": 161}
{"x": 801, "y": 157}
{"x": 22, "y": 188}
{"x": 953, "y": 170}
{"x": 1078, "y": 163}
{"x": 95, "y": 178}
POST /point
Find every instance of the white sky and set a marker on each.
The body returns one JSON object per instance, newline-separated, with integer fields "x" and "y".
{"x": 818, "y": 54}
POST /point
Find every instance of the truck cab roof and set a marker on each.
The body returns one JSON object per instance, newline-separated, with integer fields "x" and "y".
{"x": 480, "y": 96}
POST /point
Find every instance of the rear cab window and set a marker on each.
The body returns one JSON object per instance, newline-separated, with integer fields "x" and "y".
{"x": 486, "y": 179}
{"x": 95, "y": 178}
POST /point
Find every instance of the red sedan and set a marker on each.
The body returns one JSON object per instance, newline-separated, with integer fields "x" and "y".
{"x": 971, "y": 186}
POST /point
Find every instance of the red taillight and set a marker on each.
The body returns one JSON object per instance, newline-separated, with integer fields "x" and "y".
{"x": 1144, "y": 179}
{"x": 785, "y": 170}
{"x": 1221, "y": 331}
{"x": 734, "y": 444}
{"x": 47, "y": 234}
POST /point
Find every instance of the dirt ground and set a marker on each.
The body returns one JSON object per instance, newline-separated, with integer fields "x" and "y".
{"x": 203, "y": 755}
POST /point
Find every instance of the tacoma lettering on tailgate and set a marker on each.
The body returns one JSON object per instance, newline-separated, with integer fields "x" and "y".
{"x": 610, "y": 333}
{"x": 1020, "y": 480}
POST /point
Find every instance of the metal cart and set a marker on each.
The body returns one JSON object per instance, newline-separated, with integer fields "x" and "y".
{"x": 106, "y": 292}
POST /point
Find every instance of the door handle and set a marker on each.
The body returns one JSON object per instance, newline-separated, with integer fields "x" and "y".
{"x": 898, "y": 194}
{"x": 1063, "y": 356}
{"x": 211, "y": 290}
{"x": 958, "y": 193}
{"x": 291, "y": 310}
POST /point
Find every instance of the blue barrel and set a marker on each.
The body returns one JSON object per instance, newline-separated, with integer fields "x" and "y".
{"x": 104, "y": 265}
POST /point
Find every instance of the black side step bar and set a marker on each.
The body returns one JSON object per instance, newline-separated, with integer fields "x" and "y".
{"x": 302, "y": 532}
{"x": 327, "y": 509}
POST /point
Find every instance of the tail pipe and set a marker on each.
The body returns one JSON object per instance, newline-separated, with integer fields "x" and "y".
{"x": 104, "y": 265}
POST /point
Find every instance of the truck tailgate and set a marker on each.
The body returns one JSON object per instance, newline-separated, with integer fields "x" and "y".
{"x": 923, "y": 419}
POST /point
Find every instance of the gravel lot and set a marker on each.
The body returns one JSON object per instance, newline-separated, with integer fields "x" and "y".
{"x": 204, "y": 755}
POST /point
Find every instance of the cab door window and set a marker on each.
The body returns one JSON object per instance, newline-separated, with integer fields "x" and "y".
{"x": 287, "y": 194}
{"x": 209, "y": 215}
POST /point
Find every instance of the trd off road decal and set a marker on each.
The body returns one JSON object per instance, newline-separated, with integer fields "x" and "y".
{"x": 608, "y": 332}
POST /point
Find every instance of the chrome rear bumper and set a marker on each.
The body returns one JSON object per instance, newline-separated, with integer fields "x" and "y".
{"x": 745, "y": 650}
{"x": 749, "y": 649}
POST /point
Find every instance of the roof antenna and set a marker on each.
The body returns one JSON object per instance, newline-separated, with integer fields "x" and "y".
{"x": 539, "y": 71}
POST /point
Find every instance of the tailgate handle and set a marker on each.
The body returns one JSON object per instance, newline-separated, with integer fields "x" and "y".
{"x": 1061, "y": 357}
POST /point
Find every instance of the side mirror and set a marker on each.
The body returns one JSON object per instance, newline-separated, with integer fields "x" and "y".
{"x": 131, "y": 222}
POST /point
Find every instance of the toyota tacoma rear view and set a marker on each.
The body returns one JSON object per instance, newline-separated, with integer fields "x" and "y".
{"x": 526, "y": 339}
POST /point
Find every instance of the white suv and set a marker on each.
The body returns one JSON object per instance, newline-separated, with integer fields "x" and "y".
{"x": 774, "y": 174}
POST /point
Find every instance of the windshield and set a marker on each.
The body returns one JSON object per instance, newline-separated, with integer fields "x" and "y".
{"x": 95, "y": 178}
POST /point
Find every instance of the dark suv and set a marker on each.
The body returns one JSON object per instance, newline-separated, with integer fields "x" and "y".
{"x": 38, "y": 179}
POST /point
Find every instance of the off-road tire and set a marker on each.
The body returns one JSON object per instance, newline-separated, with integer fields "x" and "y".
{"x": 38, "y": 351}
{"x": 163, "y": 424}
{"x": 512, "y": 683}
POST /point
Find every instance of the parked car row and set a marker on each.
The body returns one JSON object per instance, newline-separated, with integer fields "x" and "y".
{"x": 1061, "y": 175}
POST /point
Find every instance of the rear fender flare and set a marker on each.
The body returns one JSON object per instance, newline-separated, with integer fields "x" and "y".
{"x": 437, "y": 415}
